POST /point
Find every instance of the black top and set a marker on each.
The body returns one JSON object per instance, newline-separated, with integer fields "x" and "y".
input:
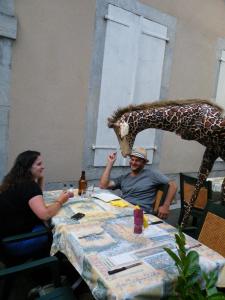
{"x": 16, "y": 215}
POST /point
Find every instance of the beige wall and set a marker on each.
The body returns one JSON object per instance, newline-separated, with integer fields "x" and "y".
{"x": 200, "y": 23}
{"x": 50, "y": 74}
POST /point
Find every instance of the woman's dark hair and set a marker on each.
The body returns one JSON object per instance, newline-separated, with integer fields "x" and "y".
{"x": 21, "y": 169}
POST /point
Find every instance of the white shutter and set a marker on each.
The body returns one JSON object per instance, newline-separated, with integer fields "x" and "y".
{"x": 152, "y": 43}
{"x": 220, "y": 94}
{"x": 132, "y": 71}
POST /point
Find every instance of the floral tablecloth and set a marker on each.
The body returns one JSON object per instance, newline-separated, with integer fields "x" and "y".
{"x": 103, "y": 240}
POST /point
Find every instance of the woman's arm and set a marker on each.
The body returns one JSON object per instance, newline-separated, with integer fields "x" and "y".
{"x": 44, "y": 212}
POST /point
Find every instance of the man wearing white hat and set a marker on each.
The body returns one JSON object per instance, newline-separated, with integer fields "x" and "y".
{"x": 140, "y": 185}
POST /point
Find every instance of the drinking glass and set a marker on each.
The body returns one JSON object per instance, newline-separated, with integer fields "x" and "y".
{"x": 90, "y": 191}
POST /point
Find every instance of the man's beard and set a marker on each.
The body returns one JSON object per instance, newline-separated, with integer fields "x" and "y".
{"x": 136, "y": 170}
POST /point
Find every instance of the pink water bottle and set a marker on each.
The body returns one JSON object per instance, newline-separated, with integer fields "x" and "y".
{"x": 138, "y": 220}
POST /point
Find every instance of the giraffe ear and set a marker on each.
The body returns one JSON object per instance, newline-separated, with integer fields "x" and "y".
{"x": 124, "y": 129}
{"x": 110, "y": 123}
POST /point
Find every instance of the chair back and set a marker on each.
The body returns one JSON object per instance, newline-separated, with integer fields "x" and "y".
{"x": 56, "y": 293}
{"x": 202, "y": 198}
{"x": 187, "y": 187}
{"x": 160, "y": 197}
{"x": 212, "y": 228}
{"x": 11, "y": 258}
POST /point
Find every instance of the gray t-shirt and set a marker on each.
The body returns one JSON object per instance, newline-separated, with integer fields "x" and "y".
{"x": 140, "y": 189}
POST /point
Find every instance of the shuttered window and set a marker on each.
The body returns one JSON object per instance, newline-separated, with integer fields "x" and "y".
{"x": 220, "y": 94}
{"x": 131, "y": 74}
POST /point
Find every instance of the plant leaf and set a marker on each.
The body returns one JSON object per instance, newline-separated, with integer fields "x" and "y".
{"x": 210, "y": 279}
{"x": 217, "y": 296}
{"x": 173, "y": 256}
{"x": 191, "y": 266}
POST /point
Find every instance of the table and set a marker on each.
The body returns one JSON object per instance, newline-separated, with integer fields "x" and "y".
{"x": 104, "y": 240}
{"x": 216, "y": 183}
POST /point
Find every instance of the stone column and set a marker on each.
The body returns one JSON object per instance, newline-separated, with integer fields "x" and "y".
{"x": 8, "y": 28}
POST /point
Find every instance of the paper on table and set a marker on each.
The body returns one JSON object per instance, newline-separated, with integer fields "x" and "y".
{"x": 154, "y": 231}
{"x": 107, "y": 197}
{"x": 119, "y": 203}
{"x": 87, "y": 230}
{"x": 120, "y": 259}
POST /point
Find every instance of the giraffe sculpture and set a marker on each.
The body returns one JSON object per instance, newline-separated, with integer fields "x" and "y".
{"x": 194, "y": 119}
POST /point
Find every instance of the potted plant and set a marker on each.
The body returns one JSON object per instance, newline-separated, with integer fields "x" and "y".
{"x": 191, "y": 278}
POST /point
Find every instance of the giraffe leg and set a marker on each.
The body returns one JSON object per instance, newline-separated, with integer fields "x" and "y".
{"x": 208, "y": 160}
{"x": 223, "y": 193}
{"x": 223, "y": 186}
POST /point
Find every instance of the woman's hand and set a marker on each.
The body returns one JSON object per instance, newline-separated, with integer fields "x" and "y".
{"x": 64, "y": 196}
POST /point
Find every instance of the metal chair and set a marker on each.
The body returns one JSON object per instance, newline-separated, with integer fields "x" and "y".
{"x": 187, "y": 186}
{"x": 57, "y": 293}
{"x": 11, "y": 259}
{"x": 13, "y": 266}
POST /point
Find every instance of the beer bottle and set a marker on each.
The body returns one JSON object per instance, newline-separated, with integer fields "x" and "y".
{"x": 82, "y": 186}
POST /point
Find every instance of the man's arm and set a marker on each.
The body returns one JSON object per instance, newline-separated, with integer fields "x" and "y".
{"x": 105, "y": 181}
{"x": 163, "y": 211}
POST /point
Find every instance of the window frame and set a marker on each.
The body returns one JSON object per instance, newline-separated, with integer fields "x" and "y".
{"x": 219, "y": 52}
{"x": 8, "y": 32}
{"x": 220, "y": 47}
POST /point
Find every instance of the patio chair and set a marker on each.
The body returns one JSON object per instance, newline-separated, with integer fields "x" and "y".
{"x": 11, "y": 259}
{"x": 12, "y": 267}
{"x": 56, "y": 293}
{"x": 160, "y": 197}
{"x": 187, "y": 186}
{"x": 211, "y": 231}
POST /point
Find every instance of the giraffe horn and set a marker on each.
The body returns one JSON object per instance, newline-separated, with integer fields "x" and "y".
{"x": 112, "y": 124}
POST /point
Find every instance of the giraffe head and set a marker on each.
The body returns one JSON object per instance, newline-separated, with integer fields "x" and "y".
{"x": 125, "y": 134}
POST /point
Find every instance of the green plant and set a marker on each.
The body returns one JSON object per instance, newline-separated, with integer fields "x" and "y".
{"x": 191, "y": 278}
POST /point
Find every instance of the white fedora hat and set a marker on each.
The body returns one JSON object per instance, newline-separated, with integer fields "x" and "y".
{"x": 140, "y": 152}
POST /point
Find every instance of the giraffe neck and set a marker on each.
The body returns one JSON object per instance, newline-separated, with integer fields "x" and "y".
{"x": 202, "y": 123}
{"x": 160, "y": 118}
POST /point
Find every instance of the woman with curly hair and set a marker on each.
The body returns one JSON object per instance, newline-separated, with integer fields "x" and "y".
{"x": 22, "y": 207}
